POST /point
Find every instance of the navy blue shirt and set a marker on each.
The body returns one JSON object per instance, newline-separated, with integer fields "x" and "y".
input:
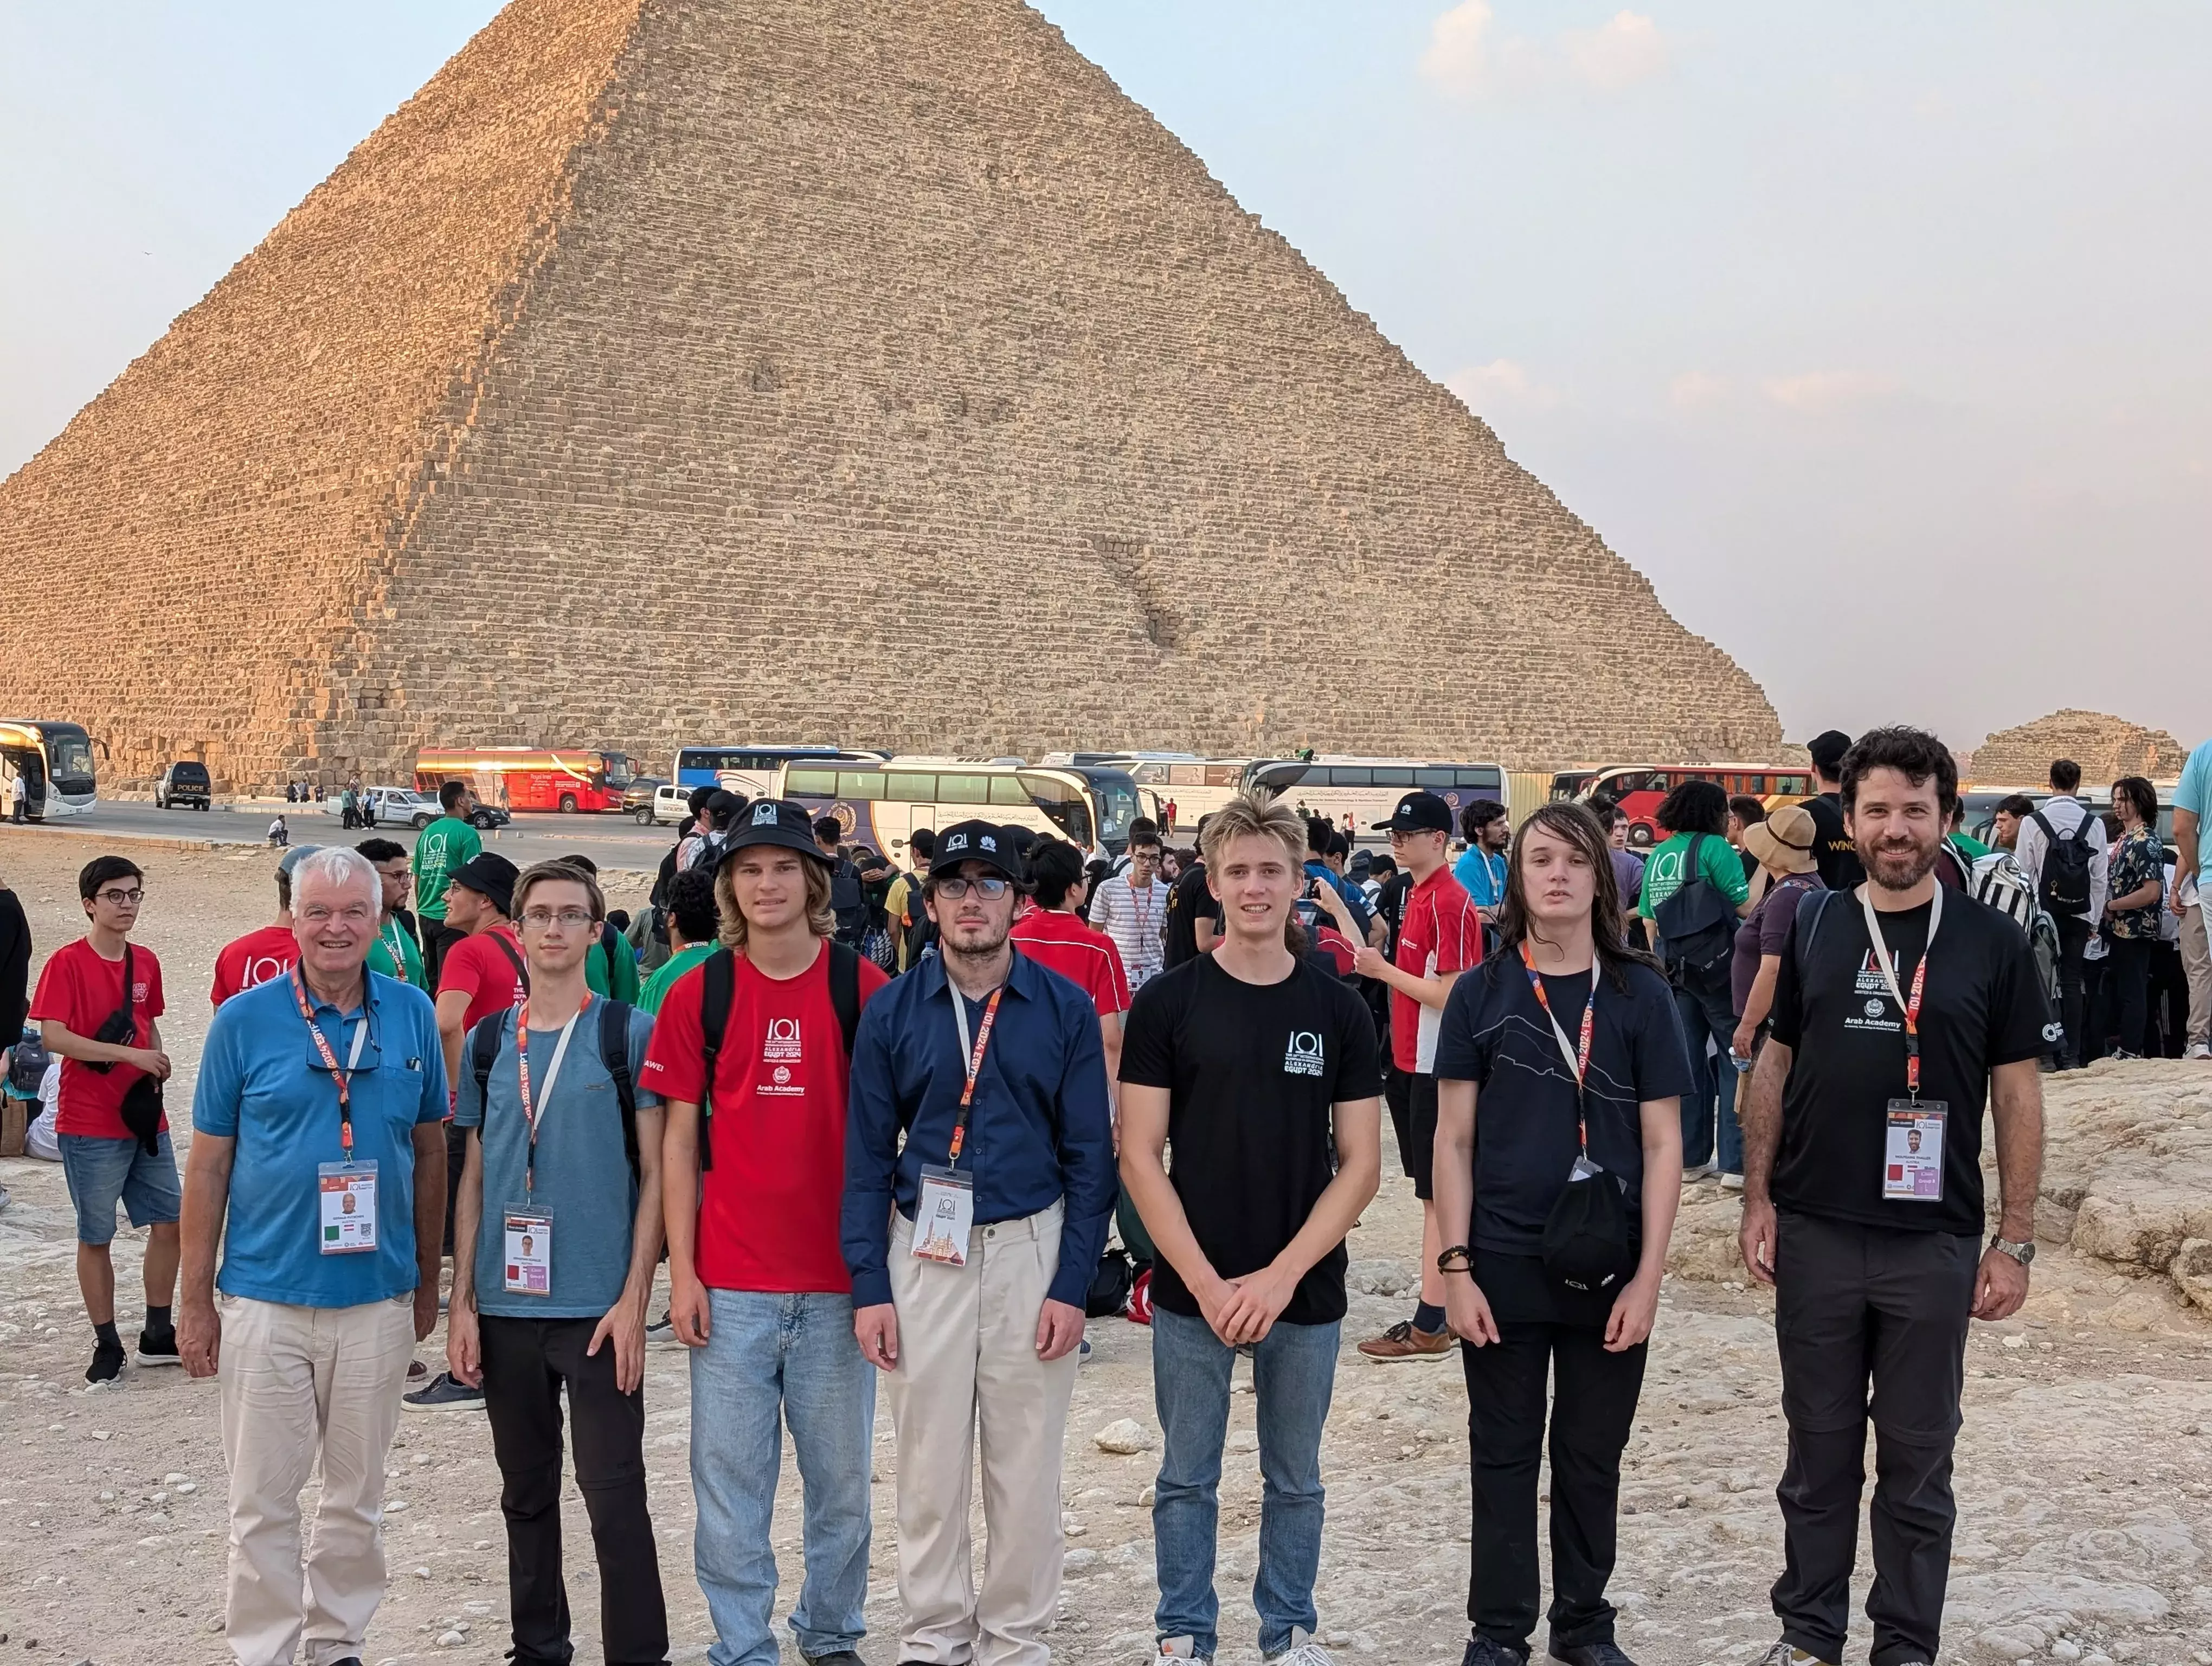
{"x": 1039, "y": 1131}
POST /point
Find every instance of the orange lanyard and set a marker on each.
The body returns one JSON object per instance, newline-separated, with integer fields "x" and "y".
{"x": 552, "y": 1074}
{"x": 975, "y": 1058}
{"x": 1577, "y": 1058}
{"x": 343, "y": 1077}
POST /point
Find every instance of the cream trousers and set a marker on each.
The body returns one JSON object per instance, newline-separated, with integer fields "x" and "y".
{"x": 2196, "y": 962}
{"x": 300, "y": 1383}
{"x": 967, "y": 1361}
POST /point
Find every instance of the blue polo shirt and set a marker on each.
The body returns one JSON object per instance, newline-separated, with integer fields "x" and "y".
{"x": 263, "y": 1083}
{"x": 1039, "y": 1131}
{"x": 1483, "y": 874}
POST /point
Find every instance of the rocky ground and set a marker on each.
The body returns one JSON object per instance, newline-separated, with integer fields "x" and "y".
{"x": 2084, "y": 1471}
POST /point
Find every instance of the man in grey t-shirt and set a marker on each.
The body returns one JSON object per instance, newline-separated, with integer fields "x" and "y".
{"x": 556, "y": 1232}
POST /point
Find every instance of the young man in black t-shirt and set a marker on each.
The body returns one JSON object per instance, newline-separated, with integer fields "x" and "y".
{"x": 1194, "y": 915}
{"x": 1263, "y": 1071}
{"x": 1901, "y": 1009}
{"x": 1838, "y": 858}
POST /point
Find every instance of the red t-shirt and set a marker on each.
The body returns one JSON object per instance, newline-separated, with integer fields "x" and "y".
{"x": 479, "y": 968}
{"x": 1440, "y": 933}
{"x": 81, "y": 990}
{"x": 769, "y": 1208}
{"x": 1087, "y": 957}
{"x": 255, "y": 958}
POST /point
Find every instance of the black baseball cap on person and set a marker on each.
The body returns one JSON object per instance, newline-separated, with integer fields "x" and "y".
{"x": 778, "y": 822}
{"x": 976, "y": 841}
{"x": 490, "y": 874}
{"x": 1826, "y": 750}
{"x": 1419, "y": 812}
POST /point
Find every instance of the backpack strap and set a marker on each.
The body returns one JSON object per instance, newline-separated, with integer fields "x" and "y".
{"x": 845, "y": 991}
{"x": 614, "y": 1054}
{"x": 610, "y": 941}
{"x": 1810, "y": 909}
{"x": 483, "y": 1053}
{"x": 521, "y": 972}
{"x": 718, "y": 992}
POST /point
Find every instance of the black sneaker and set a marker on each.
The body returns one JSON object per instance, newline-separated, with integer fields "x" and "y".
{"x": 1589, "y": 1654}
{"x": 107, "y": 1363}
{"x": 159, "y": 1348}
{"x": 1481, "y": 1651}
{"x": 445, "y": 1394}
{"x": 661, "y": 1333}
{"x": 834, "y": 1657}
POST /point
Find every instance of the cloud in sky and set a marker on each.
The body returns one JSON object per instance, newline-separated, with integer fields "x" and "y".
{"x": 1695, "y": 390}
{"x": 1822, "y": 391}
{"x": 1467, "y": 58}
{"x": 1501, "y": 382}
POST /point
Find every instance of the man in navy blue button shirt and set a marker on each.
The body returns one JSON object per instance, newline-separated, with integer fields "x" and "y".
{"x": 992, "y": 1068}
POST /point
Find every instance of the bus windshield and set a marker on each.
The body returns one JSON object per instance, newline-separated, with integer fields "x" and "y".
{"x": 72, "y": 755}
{"x": 1116, "y": 792}
{"x": 1062, "y": 802}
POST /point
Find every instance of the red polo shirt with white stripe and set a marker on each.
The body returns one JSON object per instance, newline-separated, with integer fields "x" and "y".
{"x": 1440, "y": 933}
{"x": 1059, "y": 941}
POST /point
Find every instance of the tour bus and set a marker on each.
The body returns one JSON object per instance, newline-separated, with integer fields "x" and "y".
{"x": 879, "y": 801}
{"x": 1195, "y": 786}
{"x": 1368, "y": 788}
{"x": 750, "y": 770}
{"x": 529, "y": 778}
{"x": 1640, "y": 788}
{"x": 54, "y": 761}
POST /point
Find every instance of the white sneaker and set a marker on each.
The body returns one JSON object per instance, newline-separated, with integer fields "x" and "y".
{"x": 1303, "y": 1651}
{"x": 1696, "y": 1172}
{"x": 1173, "y": 1648}
{"x": 2199, "y": 1050}
{"x": 1782, "y": 1655}
{"x": 1733, "y": 1182}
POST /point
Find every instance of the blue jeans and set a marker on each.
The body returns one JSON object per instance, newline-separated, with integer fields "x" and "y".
{"x": 769, "y": 1353}
{"x": 1710, "y": 1013}
{"x": 1293, "y": 1375}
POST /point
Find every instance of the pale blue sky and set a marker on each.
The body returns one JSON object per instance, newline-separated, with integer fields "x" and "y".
{"x": 1874, "y": 334}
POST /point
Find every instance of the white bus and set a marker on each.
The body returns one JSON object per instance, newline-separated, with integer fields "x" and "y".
{"x": 1368, "y": 788}
{"x": 879, "y": 801}
{"x": 54, "y": 763}
{"x": 1196, "y": 788}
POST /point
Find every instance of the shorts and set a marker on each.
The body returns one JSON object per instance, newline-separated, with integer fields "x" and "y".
{"x": 101, "y": 1172}
{"x": 1398, "y": 1094}
{"x": 1419, "y": 1147}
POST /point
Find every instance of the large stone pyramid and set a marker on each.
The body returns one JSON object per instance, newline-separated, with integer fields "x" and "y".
{"x": 872, "y": 370}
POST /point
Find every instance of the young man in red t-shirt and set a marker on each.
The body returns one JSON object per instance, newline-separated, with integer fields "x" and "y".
{"x": 269, "y": 951}
{"x": 81, "y": 991}
{"x": 758, "y": 1285}
{"x": 1054, "y": 935}
{"x": 1439, "y": 937}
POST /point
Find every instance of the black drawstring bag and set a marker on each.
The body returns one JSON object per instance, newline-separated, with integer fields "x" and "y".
{"x": 142, "y": 1112}
{"x": 1587, "y": 1243}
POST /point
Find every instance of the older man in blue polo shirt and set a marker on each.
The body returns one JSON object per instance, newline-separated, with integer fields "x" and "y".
{"x": 971, "y": 1248}
{"x": 319, "y": 1100}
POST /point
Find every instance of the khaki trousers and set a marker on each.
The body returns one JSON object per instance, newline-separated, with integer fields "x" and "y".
{"x": 968, "y": 1360}
{"x": 2196, "y": 962}
{"x": 299, "y": 1383}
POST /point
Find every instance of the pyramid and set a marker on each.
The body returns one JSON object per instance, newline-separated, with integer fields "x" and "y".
{"x": 872, "y": 370}
{"x": 2107, "y": 748}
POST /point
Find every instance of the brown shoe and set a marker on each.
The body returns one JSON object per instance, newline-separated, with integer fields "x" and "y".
{"x": 1403, "y": 1341}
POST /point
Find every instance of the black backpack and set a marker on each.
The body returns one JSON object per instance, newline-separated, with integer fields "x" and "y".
{"x": 719, "y": 990}
{"x": 915, "y": 928}
{"x": 849, "y": 901}
{"x": 2062, "y": 889}
{"x": 1697, "y": 925}
{"x": 613, "y": 1052}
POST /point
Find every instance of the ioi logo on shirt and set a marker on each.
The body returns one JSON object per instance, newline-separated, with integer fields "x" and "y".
{"x": 764, "y": 813}
{"x": 1303, "y": 1056}
{"x": 782, "y": 1041}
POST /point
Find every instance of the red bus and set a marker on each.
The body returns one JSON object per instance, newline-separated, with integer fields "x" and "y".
{"x": 529, "y": 778}
{"x": 1640, "y": 788}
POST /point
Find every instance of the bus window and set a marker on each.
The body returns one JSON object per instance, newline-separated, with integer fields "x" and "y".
{"x": 1224, "y": 775}
{"x": 1007, "y": 790}
{"x": 963, "y": 789}
{"x": 1788, "y": 784}
{"x": 1437, "y": 781}
{"x": 910, "y": 789}
{"x": 1186, "y": 775}
{"x": 1482, "y": 780}
{"x": 860, "y": 784}
{"x": 1063, "y": 803}
{"x": 814, "y": 783}
{"x": 1343, "y": 775}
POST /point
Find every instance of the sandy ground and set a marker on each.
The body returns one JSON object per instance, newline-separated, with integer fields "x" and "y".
{"x": 2083, "y": 1472}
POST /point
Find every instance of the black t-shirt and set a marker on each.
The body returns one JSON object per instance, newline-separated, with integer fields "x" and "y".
{"x": 1251, "y": 1071}
{"x": 1838, "y": 858}
{"x": 1496, "y": 1036}
{"x": 1982, "y": 1007}
{"x": 1390, "y": 903}
{"x": 1188, "y": 902}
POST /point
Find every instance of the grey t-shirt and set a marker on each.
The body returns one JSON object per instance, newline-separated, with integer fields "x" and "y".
{"x": 583, "y": 1175}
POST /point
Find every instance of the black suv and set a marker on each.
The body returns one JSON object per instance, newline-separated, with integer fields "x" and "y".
{"x": 182, "y": 786}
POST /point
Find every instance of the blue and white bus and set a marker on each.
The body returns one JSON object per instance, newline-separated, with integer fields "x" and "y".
{"x": 879, "y": 801}
{"x": 750, "y": 770}
{"x": 54, "y": 761}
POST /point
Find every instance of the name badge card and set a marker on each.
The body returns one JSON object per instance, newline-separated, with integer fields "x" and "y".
{"x": 943, "y": 1216}
{"x": 1912, "y": 1158}
{"x": 529, "y": 1258}
{"x": 346, "y": 1194}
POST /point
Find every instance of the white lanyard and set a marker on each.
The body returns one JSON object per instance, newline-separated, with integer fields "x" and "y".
{"x": 1882, "y": 958}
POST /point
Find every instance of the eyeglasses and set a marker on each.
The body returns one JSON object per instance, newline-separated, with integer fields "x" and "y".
{"x": 991, "y": 888}
{"x": 318, "y": 914}
{"x": 574, "y": 919}
{"x": 122, "y": 899}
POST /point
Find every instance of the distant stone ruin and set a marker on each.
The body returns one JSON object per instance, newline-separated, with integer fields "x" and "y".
{"x": 2107, "y": 748}
{"x": 865, "y": 370}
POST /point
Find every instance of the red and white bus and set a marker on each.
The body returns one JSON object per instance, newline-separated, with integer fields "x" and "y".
{"x": 1640, "y": 788}
{"x": 527, "y": 777}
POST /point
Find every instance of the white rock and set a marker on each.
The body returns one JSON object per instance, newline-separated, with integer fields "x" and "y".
{"x": 174, "y": 1477}
{"x": 108, "y": 1434}
{"x": 395, "y": 1505}
{"x": 1244, "y": 1440}
{"x": 1124, "y": 1437}
{"x": 2062, "y": 1649}
{"x": 1145, "y": 1498}
{"x": 2001, "y": 1644}
{"x": 190, "y": 1486}
{"x": 1080, "y": 1560}
{"x": 424, "y": 1574}
{"x": 451, "y": 1640}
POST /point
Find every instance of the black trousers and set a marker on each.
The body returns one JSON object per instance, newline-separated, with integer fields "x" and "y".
{"x": 526, "y": 1363}
{"x": 1593, "y": 1407}
{"x": 2167, "y": 1035}
{"x": 2073, "y": 938}
{"x": 1860, "y": 1308}
{"x": 2127, "y": 979}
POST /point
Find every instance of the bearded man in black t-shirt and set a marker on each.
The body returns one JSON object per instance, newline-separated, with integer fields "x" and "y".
{"x": 1901, "y": 1009}
{"x": 1261, "y": 1068}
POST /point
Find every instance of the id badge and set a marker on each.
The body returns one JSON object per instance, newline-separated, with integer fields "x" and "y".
{"x": 942, "y": 1215}
{"x": 529, "y": 1252}
{"x": 1912, "y": 1154}
{"x": 346, "y": 1194}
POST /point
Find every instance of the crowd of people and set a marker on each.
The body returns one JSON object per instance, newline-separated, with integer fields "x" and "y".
{"x": 897, "y": 1127}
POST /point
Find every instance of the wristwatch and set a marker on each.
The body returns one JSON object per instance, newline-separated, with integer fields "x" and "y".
{"x": 2023, "y": 1253}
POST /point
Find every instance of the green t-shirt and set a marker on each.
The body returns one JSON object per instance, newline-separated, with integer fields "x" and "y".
{"x": 1717, "y": 858}
{"x": 392, "y": 937}
{"x": 445, "y": 845}
{"x": 617, "y": 980}
{"x": 658, "y": 985}
{"x": 1972, "y": 846}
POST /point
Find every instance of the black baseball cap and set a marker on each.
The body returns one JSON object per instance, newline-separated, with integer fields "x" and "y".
{"x": 977, "y": 842}
{"x": 488, "y": 873}
{"x": 1826, "y": 750}
{"x": 778, "y": 822}
{"x": 1419, "y": 812}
